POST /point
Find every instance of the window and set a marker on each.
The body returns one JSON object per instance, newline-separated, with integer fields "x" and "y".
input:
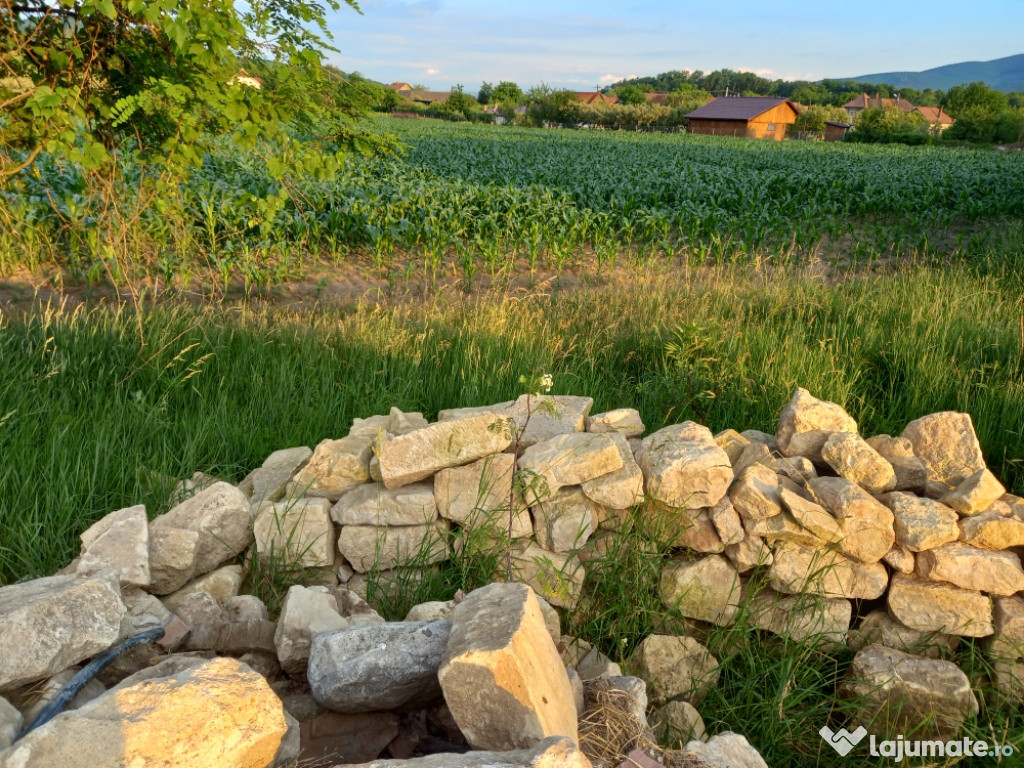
{"x": 771, "y": 126}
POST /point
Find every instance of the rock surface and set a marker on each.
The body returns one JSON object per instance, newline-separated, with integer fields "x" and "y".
{"x": 120, "y": 541}
{"x": 218, "y": 713}
{"x": 675, "y": 666}
{"x": 947, "y": 443}
{"x": 930, "y": 606}
{"x": 554, "y": 752}
{"x": 707, "y": 589}
{"x": 379, "y": 667}
{"x": 502, "y": 677}
{"x": 807, "y": 422}
{"x": 684, "y": 467}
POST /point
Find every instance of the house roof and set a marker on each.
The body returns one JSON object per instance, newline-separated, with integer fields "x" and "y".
{"x": 838, "y": 125}
{"x": 739, "y": 108}
{"x": 935, "y": 115}
{"x": 864, "y": 101}
{"x": 656, "y": 98}
{"x": 429, "y": 97}
{"x": 591, "y": 97}
{"x": 397, "y": 86}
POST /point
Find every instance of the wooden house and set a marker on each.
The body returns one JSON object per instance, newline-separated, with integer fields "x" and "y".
{"x": 755, "y": 117}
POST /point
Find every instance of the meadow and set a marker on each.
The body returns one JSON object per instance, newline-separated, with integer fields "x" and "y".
{"x": 710, "y": 277}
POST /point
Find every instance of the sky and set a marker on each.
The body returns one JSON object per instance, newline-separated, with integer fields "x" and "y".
{"x": 581, "y": 44}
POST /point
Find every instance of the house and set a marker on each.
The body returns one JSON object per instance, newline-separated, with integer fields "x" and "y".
{"x": 862, "y": 102}
{"x": 428, "y": 97}
{"x": 755, "y": 117}
{"x": 936, "y": 117}
{"x": 659, "y": 99}
{"x": 596, "y": 97}
{"x": 836, "y": 131}
{"x": 401, "y": 88}
{"x": 244, "y": 78}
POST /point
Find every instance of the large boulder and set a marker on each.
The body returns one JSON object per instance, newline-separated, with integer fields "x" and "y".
{"x": 622, "y": 488}
{"x": 568, "y": 459}
{"x": 563, "y": 522}
{"x": 502, "y": 676}
{"x": 997, "y": 573}
{"x": 921, "y": 524}
{"x": 198, "y": 535}
{"x": 217, "y": 713}
{"x": 378, "y": 667}
{"x": 417, "y": 455}
{"x": 947, "y": 443}
{"x": 684, "y": 467}
{"x": 120, "y": 541}
{"x": 675, "y": 666}
{"x": 558, "y": 578}
{"x": 48, "y": 624}
{"x": 897, "y": 693}
{"x": 796, "y": 569}
{"x": 269, "y": 481}
{"x": 851, "y": 457}
{"x": 975, "y": 493}
{"x": 297, "y": 533}
{"x": 930, "y": 606}
{"x": 335, "y": 466}
{"x": 804, "y": 618}
{"x": 865, "y": 523}
{"x": 707, "y": 589}
{"x": 807, "y": 422}
{"x": 305, "y": 613}
{"x": 479, "y": 494}
{"x": 388, "y": 546}
{"x": 370, "y": 504}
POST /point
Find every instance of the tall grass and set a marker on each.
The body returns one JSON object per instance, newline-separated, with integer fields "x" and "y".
{"x": 101, "y": 408}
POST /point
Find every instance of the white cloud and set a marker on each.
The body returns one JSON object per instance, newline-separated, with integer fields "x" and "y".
{"x": 609, "y": 78}
{"x": 432, "y": 71}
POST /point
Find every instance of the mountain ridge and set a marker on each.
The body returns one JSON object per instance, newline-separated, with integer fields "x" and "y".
{"x": 1003, "y": 74}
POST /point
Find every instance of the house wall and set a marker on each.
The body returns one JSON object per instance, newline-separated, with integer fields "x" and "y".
{"x": 772, "y": 124}
{"x": 834, "y": 133}
{"x": 718, "y": 127}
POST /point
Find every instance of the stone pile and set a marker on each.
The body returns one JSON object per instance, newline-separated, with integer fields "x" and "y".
{"x": 914, "y": 528}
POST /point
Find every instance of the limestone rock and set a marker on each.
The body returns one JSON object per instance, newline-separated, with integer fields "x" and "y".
{"x": 48, "y": 624}
{"x": 305, "y": 613}
{"x": 11, "y": 723}
{"x": 502, "y": 677}
{"x": 677, "y": 723}
{"x": 757, "y": 436}
{"x": 807, "y": 422}
{"x": 947, "y": 443}
{"x": 726, "y": 750}
{"x": 1007, "y": 646}
{"x": 268, "y": 481}
{"x": 879, "y": 628}
{"x": 755, "y": 495}
{"x": 555, "y": 577}
{"x": 554, "y": 752}
{"x": 804, "y": 618}
{"x": 697, "y": 532}
{"x": 568, "y": 459}
{"x": 219, "y": 713}
{"x": 865, "y": 523}
{"x": 675, "y": 666}
{"x": 930, "y": 606}
{"x": 796, "y": 569}
{"x": 433, "y": 610}
{"x": 727, "y": 522}
{"x": 897, "y": 693}
{"x": 419, "y": 454}
{"x": 995, "y": 528}
{"x": 622, "y": 488}
{"x": 564, "y": 521}
{"x": 335, "y": 467}
{"x": 478, "y": 494}
{"x": 900, "y": 559}
{"x": 626, "y": 693}
{"x": 298, "y": 533}
{"x": 220, "y": 584}
{"x": 550, "y": 416}
{"x": 799, "y": 469}
{"x": 388, "y": 666}
{"x": 921, "y": 524}
{"x": 975, "y": 493}
{"x": 998, "y": 573}
{"x": 732, "y": 442}
{"x": 749, "y": 554}
{"x": 782, "y": 528}
{"x": 813, "y": 517}
{"x": 683, "y": 467}
{"x": 621, "y": 421}
{"x": 851, "y": 457}
{"x": 755, "y": 453}
{"x": 197, "y": 536}
{"x": 371, "y": 504}
{"x": 386, "y": 547}
{"x": 120, "y": 541}
{"x": 707, "y": 589}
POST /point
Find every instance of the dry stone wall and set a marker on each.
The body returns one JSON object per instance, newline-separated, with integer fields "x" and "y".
{"x": 915, "y": 527}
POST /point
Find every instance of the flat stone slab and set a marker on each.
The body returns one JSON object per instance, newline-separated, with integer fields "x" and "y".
{"x": 930, "y": 606}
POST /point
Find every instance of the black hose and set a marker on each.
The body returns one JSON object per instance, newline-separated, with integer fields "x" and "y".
{"x": 87, "y": 673}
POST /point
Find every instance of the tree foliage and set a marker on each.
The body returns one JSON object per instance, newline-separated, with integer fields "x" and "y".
{"x": 813, "y": 119}
{"x": 86, "y": 79}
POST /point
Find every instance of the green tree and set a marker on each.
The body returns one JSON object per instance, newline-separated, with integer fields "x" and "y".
{"x": 631, "y": 94}
{"x": 813, "y": 119}
{"x": 459, "y": 102}
{"x": 507, "y": 93}
{"x": 485, "y": 93}
{"x": 974, "y": 98}
{"x": 87, "y": 79}
{"x": 889, "y": 124}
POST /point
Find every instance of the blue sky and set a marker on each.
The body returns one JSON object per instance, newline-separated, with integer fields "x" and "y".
{"x": 579, "y": 45}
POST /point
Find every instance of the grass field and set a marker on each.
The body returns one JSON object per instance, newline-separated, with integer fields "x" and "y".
{"x": 105, "y": 406}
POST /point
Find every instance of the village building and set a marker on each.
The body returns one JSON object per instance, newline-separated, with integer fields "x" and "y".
{"x": 836, "y": 131}
{"x": 596, "y": 97}
{"x": 755, "y": 117}
{"x": 244, "y": 78}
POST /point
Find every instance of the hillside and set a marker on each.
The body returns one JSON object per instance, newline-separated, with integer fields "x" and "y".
{"x": 1006, "y": 74}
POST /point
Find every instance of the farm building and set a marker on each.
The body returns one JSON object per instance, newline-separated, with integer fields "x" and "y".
{"x": 835, "y": 131}
{"x": 596, "y": 97}
{"x": 862, "y": 102}
{"x": 755, "y": 117}
{"x": 936, "y": 117}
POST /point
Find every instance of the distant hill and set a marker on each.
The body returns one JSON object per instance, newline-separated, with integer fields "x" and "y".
{"x": 1006, "y": 74}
